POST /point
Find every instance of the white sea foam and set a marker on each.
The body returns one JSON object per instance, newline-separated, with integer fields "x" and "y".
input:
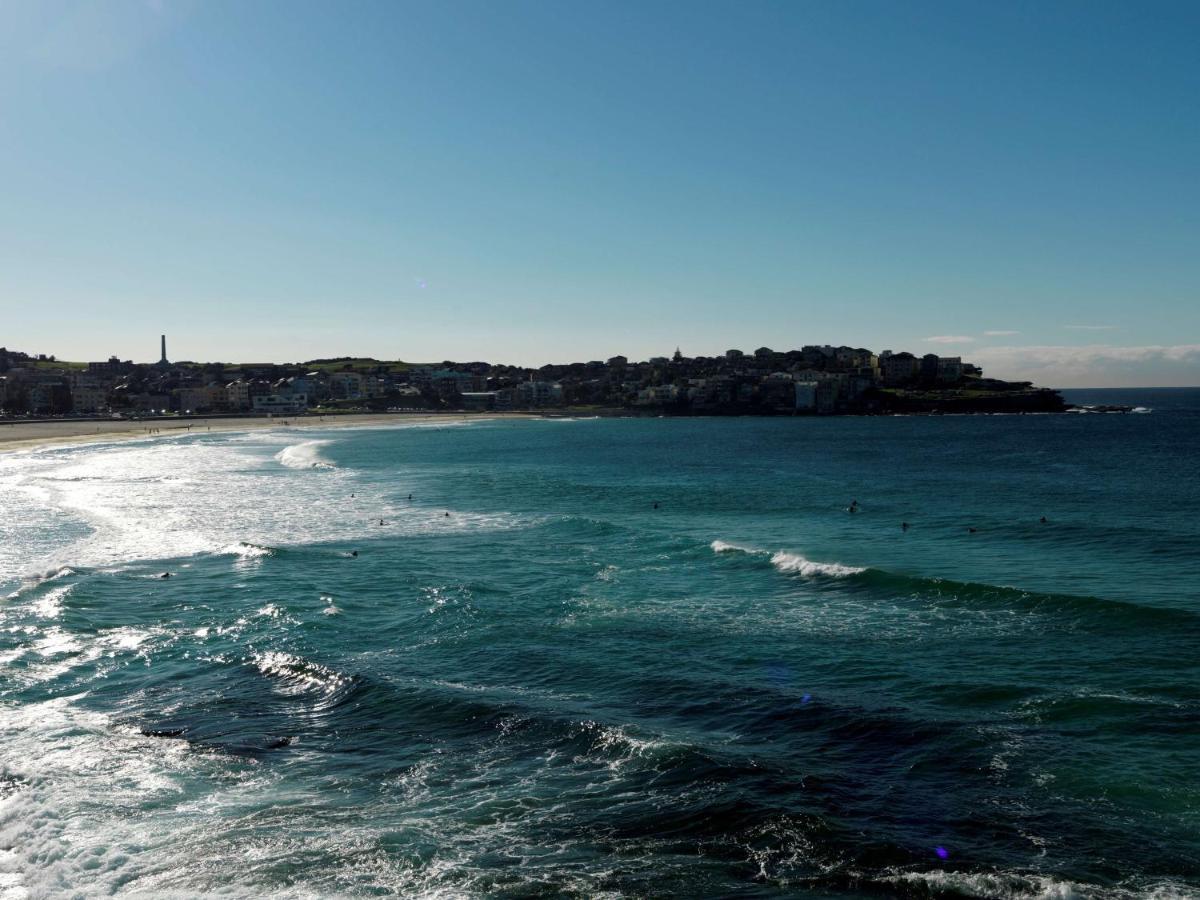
{"x": 792, "y": 563}
{"x": 49, "y": 605}
{"x": 1000, "y": 885}
{"x": 726, "y": 547}
{"x": 294, "y": 674}
{"x": 305, "y": 455}
{"x": 617, "y": 747}
{"x": 248, "y": 551}
{"x": 121, "y": 503}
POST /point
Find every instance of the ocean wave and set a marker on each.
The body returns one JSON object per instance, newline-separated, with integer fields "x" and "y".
{"x": 33, "y": 581}
{"x": 951, "y": 592}
{"x": 997, "y": 885}
{"x": 296, "y": 675}
{"x": 1001, "y": 885}
{"x": 726, "y": 547}
{"x": 791, "y": 563}
{"x": 794, "y": 562}
{"x": 246, "y": 550}
{"x": 616, "y": 746}
{"x": 50, "y": 604}
{"x": 305, "y": 455}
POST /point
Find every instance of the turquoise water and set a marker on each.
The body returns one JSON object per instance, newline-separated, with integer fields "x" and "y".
{"x": 558, "y": 689}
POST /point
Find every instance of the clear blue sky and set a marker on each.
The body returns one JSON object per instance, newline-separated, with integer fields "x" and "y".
{"x": 545, "y": 182}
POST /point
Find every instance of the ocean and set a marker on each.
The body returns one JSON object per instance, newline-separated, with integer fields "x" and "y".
{"x": 609, "y": 658}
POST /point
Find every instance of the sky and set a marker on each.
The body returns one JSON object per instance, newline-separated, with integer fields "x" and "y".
{"x": 1017, "y": 183}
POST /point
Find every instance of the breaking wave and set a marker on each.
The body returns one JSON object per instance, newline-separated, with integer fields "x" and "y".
{"x": 246, "y": 550}
{"x": 950, "y": 592}
{"x": 792, "y": 563}
{"x": 305, "y": 455}
{"x": 295, "y": 675}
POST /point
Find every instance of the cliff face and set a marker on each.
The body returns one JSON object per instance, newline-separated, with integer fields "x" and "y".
{"x": 1024, "y": 400}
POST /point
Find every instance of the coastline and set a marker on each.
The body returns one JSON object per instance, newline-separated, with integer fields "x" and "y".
{"x": 34, "y": 435}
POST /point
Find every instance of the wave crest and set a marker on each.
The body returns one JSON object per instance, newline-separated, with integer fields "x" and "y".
{"x": 305, "y": 455}
{"x": 246, "y": 550}
{"x": 295, "y": 675}
{"x": 791, "y": 562}
{"x": 794, "y": 562}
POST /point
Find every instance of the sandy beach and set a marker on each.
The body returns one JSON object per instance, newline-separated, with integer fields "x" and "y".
{"x": 29, "y": 435}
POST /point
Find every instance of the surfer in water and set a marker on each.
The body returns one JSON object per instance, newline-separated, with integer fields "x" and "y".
{"x": 1043, "y": 520}
{"x": 904, "y": 526}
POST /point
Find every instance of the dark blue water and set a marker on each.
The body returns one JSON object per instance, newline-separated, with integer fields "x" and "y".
{"x": 559, "y": 689}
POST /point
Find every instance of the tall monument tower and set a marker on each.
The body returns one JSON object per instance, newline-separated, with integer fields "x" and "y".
{"x": 163, "y": 362}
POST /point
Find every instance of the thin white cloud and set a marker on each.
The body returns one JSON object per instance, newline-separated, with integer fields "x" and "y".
{"x": 1000, "y": 333}
{"x": 1090, "y": 327}
{"x": 949, "y": 339}
{"x": 1094, "y": 365}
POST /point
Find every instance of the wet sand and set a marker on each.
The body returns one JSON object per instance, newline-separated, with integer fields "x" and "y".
{"x": 33, "y": 434}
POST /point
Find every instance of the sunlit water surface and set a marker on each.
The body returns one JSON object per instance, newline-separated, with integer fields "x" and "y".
{"x": 532, "y": 682}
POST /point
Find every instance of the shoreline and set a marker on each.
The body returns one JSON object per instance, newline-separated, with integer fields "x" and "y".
{"x": 34, "y": 435}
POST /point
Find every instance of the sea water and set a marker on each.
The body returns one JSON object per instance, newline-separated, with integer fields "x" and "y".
{"x": 608, "y": 658}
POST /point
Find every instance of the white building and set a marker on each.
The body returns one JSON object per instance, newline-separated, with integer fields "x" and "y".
{"x": 276, "y": 404}
{"x": 237, "y": 395}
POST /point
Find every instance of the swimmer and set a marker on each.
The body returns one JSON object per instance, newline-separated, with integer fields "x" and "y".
{"x": 381, "y": 521}
{"x": 1043, "y": 520}
{"x": 447, "y": 515}
{"x": 656, "y": 506}
{"x": 354, "y": 553}
{"x": 972, "y": 530}
{"x": 165, "y": 575}
{"x": 904, "y": 526}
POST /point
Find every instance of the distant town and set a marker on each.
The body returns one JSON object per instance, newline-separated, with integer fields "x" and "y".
{"x": 813, "y": 380}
